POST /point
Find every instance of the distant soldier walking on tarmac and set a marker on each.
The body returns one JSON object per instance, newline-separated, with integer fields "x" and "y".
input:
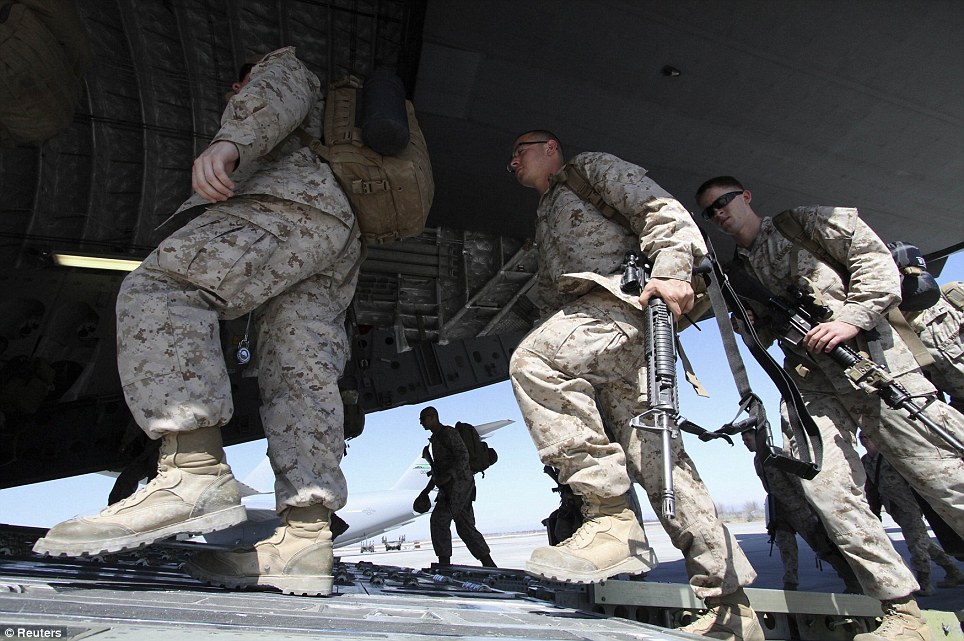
{"x": 271, "y": 234}
{"x": 858, "y": 300}
{"x": 455, "y": 480}
{"x": 586, "y": 361}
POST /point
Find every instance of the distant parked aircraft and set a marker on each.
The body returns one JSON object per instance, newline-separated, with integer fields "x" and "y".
{"x": 368, "y": 514}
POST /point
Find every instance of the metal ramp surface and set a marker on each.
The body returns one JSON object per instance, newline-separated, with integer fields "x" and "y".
{"x": 145, "y": 594}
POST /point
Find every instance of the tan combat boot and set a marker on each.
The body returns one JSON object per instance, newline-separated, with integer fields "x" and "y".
{"x": 902, "y": 622}
{"x": 609, "y": 542}
{"x": 194, "y": 492}
{"x": 296, "y": 559}
{"x": 729, "y": 617}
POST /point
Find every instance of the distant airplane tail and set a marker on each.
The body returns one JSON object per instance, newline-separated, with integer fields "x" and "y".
{"x": 486, "y": 429}
{"x": 415, "y": 476}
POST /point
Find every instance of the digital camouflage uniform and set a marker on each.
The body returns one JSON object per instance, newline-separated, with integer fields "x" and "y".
{"x": 940, "y": 329}
{"x": 836, "y": 493}
{"x": 283, "y": 247}
{"x": 789, "y": 513}
{"x": 450, "y": 461}
{"x": 585, "y": 361}
{"x": 892, "y": 492}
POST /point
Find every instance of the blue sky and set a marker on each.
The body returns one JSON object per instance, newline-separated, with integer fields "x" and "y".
{"x": 515, "y": 494}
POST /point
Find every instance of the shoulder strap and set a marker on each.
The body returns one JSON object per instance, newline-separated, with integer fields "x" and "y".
{"x": 573, "y": 177}
{"x": 910, "y": 337}
{"x": 307, "y": 140}
{"x": 578, "y": 182}
{"x": 788, "y": 225}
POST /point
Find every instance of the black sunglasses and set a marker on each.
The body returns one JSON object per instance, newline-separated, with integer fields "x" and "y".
{"x": 719, "y": 203}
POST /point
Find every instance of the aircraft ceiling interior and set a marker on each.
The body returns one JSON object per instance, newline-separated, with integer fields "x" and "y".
{"x": 857, "y": 103}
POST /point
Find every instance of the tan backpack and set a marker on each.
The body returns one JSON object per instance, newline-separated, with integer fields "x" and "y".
{"x": 391, "y": 195}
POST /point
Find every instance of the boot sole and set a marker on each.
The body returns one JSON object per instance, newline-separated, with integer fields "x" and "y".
{"x": 631, "y": 565}
{"x": 192, "y": 527}
{"x": 314, "y": 585}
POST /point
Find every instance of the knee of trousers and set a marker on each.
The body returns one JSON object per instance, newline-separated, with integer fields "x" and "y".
{"x": 522, "y": 362}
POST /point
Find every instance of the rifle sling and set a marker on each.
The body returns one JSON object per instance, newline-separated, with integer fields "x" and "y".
{"x": 805, "y": 431}
{"x": 910, "y": 337}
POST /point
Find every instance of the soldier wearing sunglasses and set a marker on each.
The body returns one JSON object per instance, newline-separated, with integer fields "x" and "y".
{"x": 859, "y": 307}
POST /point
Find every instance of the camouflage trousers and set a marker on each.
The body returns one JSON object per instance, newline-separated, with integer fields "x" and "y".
{"x": 786, "y": 542}
{"x": 292, "y": 266}
{"x": 585, "y": 366}
{"x": 794, "y": 513}
{"x": 922, "y": 548}
{"x": 836, "y": 493}
{"x": 810, "y": 528}
{"x": 924, "y": 459}
{"x": 454, "y": 503}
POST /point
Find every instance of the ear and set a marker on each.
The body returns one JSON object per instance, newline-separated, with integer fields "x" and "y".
{"x": 747, "y": 196}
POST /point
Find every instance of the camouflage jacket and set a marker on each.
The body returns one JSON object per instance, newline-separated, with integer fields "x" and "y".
{"x": 450, "y": 456}
{"x": 872, "y": 291}
{"x": 579, "y": 248}
{"x": 281, "y": 95}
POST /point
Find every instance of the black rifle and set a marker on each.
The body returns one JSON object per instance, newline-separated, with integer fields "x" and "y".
{"x": 661, "y": 374}
{"x": 797, "y": 317}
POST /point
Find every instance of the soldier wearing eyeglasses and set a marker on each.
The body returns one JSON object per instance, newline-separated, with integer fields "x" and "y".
{"x": 581, "y": 368}
{"x": 859, "y": 307}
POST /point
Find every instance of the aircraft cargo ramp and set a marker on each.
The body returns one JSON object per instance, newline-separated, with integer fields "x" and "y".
{"x": 145, "y": 594}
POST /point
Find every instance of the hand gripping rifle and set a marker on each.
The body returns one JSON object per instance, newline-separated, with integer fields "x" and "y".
{"x": 803, "y": 313}
{"x": 661, "y": 374}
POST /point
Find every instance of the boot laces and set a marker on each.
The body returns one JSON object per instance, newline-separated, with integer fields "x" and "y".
{"x": 705, "y": 621}
{"x": 583, "y": 535}
{"x": 149, "y": 487}
{"x": 893, "y": 621}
